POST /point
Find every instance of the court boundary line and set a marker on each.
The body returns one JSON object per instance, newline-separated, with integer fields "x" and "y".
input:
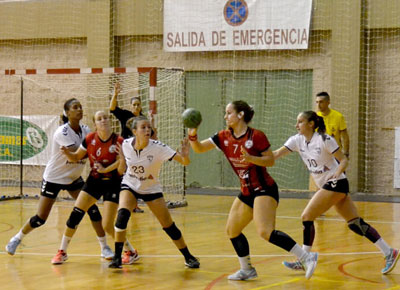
{"x": 226, "y": 214}
{"x": 199, "y": 256}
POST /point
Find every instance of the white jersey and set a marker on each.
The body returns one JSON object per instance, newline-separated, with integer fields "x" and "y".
{"x": 59, "y": 170}
{"x": 317, "y": 155}
{"x": 143, "y": 166}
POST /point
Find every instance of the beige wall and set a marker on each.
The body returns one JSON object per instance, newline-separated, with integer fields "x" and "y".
{"x": 78, "y": 33}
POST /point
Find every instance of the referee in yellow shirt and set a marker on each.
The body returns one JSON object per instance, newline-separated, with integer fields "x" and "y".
{"x": 334, "y": 122}
{"x": 335, "y": 126}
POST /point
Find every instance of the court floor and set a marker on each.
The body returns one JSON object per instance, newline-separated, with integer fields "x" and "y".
{"x": 346, "y": 261}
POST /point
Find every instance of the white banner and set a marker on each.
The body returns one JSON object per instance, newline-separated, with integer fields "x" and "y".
{"x": 37, "y": 135}
{"x": 209, "y": 25}
{"x": 396, "y": 174}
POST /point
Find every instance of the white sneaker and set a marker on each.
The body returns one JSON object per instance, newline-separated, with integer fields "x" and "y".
{"x": 390, "y": 261}
{"x": 296, "y": 265}
{"x": 107, "y": 253}
{"x": 244, "y": 275}
{"x": 309, "y": 263}
{"x": 12, "y": 245}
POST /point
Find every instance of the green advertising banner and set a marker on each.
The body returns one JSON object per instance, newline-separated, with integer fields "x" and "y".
{"x": 36, "y": 134}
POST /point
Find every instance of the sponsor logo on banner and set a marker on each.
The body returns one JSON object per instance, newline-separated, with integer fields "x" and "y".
{"x": 209, "y": 25}
{"x": 33, "y": 141}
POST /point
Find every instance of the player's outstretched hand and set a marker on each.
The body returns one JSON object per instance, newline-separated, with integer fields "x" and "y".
{"x": 185, "y": 147}
{"x": 117, "y": 88}
{"x": 150, "y": 116}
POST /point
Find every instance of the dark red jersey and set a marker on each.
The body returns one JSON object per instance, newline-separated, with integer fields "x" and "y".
{"x": 252, "y": 177}
{"x": 103, "y": 152}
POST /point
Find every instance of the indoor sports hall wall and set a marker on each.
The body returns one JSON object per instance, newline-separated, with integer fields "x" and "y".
{"x": 353, "y": 54}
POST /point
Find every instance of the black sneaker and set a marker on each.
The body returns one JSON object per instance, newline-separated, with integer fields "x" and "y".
{"x": 192, "y": 263}
{"x": 116, "y": 263}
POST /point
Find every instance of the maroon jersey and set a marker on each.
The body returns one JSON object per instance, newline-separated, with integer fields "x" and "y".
{"x": 252, "y": 177}
{"x": 103, "y": 152}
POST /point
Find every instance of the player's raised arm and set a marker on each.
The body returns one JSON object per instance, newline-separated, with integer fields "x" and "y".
{"x": 197, "y": 146}
{"x": 192, "y": 120}
{"x": 113, "y": 102}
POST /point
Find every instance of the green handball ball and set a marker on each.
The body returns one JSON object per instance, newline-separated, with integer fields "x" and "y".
{"x": 191, "y": 118}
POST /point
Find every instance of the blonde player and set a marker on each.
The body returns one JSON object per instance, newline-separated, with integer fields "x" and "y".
{"x": 141, "y": 158}
{"x": 327, "y": 163}
{"x": 103, "y": 181}
{"x": 61, "y": 174}
{"x": 124, "y": 116}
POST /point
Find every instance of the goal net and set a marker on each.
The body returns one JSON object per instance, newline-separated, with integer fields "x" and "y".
{"x": 352, "y": 54}
{"x": 39, "y": 96}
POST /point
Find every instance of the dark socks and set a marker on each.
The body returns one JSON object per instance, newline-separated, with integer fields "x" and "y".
{"x": 185, "y": 252}
{"x": 118, "y": 249}
{"x": 241, "y": 245}
{"x": 308, "y": 233}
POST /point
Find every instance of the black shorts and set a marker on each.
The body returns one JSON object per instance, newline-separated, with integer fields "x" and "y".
{"x": 108, "y": 188}
{"x": 51, "y": 190}
{"x": 144, "y": 197}
{"x": 271, "y": 191}
{"x": 341, "y": 185}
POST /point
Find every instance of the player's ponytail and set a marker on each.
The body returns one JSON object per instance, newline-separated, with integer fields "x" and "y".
{"x": 321, "y": 126}
{"x": 319, "y": 123}
{"x": 244, "y": 108}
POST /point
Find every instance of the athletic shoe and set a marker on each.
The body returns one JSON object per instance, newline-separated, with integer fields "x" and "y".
{"x": 192, "y": 263}
{"x": 12, "y": 245}
{"x": 59, "y": 258}
{"x": 391, "y": 261}
{"x": 296, "y": 266}
{"x": 107, "y": 253}
{"x": 130, "y": 257}
{"x": 244, "y": 275}
{"x": 309, "y": 264}
{"x": 138, "y": 210}
{"x": 116, "y": 263}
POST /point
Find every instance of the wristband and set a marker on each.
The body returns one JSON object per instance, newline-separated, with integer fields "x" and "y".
{"x": 193, "y": 137}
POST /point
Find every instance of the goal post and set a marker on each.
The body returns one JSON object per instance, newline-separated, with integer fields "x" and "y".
{"x": 41, "y": 100}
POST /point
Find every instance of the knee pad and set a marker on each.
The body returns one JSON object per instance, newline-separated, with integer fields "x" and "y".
{"x": 173, "y": 232}
{"x": 282, "y": 240}
{"x": 358, "y": 226}
{"x": 36, "y": 221}
{"x": 94, "y": 213}
{"x": 241, "y": 245}
{"x": 122, "y": 219}
{"x": 75, "y": 218}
